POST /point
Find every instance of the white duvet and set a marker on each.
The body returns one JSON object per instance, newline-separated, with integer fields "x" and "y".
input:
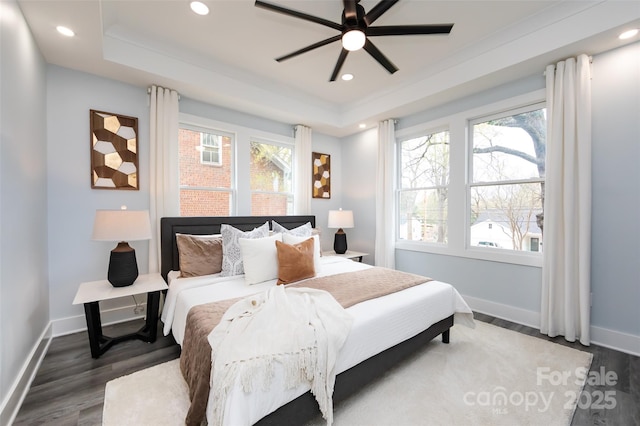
{"x": 378, "y": 325}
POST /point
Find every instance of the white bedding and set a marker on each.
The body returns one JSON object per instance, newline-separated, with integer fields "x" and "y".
{"x": 378, "y": 325}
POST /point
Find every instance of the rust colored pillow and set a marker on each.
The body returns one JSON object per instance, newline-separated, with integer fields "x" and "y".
{"x": 199, "y": 255}
{"x": 295, "y": 261}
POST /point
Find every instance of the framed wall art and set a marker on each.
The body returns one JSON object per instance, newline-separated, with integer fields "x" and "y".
{"x": 114, "y": 151}
{"x": 321, "y": 175}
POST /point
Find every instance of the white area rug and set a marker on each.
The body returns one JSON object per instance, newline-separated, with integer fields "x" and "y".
{"x": 485, "y": 376}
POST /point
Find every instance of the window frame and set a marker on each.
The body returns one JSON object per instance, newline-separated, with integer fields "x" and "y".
{"x": 534, "y": 106}
{"x": 240, "y": 154}
{"x": 290, "y": 194}
{"x": 398, "y": 179}
{"x": 458, "y": 200}
{"x": 202, "y": 125}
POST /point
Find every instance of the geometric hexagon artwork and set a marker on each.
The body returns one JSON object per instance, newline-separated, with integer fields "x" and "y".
{"x": 114, "y": 151}
{"x": 321, "y": 175}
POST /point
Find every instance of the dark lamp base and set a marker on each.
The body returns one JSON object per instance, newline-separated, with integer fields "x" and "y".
{"x": 123, "y": 267}
{"x": 340, "y": 242}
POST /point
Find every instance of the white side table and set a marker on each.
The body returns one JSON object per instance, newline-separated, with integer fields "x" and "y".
{"x": 91, "y": 293}
{"x": 349, "y": 254}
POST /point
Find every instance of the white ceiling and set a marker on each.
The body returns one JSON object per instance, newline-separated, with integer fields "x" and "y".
{"x": 227, "y": 57}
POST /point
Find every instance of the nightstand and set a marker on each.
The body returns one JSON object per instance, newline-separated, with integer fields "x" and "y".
{"x": 91, "y": 293}
{"x": 353, "y": 255}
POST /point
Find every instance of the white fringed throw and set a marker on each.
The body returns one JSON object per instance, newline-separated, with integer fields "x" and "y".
{"x": 301, "y": 328}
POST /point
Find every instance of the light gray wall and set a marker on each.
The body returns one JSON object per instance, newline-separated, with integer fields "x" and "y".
{"x": 359, "y": 156}
{"x": 24, "y": 291}
{"x": 616, "y": 201}
{"x": 615, "y": 250}
{"x": 73, "y": 256}
{"x": 319, "y": 206}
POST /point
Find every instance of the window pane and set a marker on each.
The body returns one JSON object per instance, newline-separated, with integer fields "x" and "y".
{"x": 425, "y": 161}
{"x": 271, "y": 179}
{"x": 505, "y": 216}
{"x": 205, "y": 182}
{"x": 204, "y": 203}
{"x": 423, "y": 215}
{"x": 267, "y": 204}
{"x": 270, "y": 167}
{"x": 510, "y": 148}
{"x": 424, "y": 176}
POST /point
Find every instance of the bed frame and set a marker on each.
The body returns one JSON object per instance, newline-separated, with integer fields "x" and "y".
{"x": 349, "y": 382}
{"x": 208, "y": 225}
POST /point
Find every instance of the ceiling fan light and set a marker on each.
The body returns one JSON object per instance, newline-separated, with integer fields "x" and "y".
{"x": 353, "y": 40}
{"x": 199, "y": 8}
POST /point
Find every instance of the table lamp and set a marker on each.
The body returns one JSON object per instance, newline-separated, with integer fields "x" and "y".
{"x": 122, "y": 226}
{"x": 340, "y": 219}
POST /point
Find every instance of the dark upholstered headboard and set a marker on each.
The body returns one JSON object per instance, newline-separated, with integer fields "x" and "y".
{"x": 170, "y": 226}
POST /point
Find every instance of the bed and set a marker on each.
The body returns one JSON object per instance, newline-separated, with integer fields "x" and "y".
{"x": 386, "y": 329}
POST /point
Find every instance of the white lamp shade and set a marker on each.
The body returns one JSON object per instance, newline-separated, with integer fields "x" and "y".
{"x": 340, "y": 219}
{"x": 121, "y": 225}
{"x": 353, "y": 40}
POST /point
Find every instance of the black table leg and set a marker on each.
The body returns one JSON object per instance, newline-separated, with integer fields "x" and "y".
{"x": 99, "y": 343}
{"x": 94, "y": 327}
{"x": 150, "y": 329}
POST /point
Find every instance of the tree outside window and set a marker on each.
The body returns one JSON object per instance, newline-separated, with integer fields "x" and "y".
{"x": 423, "y": 188}
{"x": 271, "y": 175}
{"x": 507, "y": 184}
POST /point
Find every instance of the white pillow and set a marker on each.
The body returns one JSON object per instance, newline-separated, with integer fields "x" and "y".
{"x": 231, "y": 253}
{"x": 293, "y": 239}
{"x": 260, "y": 258}
{"x": 300, "y": 231}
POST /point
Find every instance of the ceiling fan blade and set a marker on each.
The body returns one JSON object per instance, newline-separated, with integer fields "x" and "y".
{"x": 378, "y": 10}
{"x": 409, "y": 29}
{"x": 341, "y": 58}
{"x": 378, "y": 56}
{"x": 310, "y": 47}
{"x": 296, "y": 14}
{"x": 350, "y": 12}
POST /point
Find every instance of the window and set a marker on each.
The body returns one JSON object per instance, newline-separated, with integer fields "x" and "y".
{"x": 423, "y": 188}
{"x": 210, "y": 149}
{"x": 205, "y": 171}
{"x": 228, "y": 169}
{"x": 271, "y": 178}
{"x": 507, "y": 179}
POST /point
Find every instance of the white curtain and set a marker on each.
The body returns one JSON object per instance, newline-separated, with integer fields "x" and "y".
{"x": 385, "y": 202}
{"x": 303, "y": 170}
{"x": 567, "y": 218}
{"x": 164, "y": 191}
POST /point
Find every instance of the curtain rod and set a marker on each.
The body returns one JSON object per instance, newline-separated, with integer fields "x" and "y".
{"x": 149, "y": 92}
{"x": 590, "y": 61}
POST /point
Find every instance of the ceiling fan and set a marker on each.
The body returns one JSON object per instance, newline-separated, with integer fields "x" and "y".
{"x": 356, "y": 29}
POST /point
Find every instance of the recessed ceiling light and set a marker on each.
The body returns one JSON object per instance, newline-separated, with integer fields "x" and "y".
{"x": 65, "y": 31}
{"x": 199, "y": 8}
{"x": 628, "y": 34}
{"x": 347, "y": 77}
{"x": 362, "y": 125}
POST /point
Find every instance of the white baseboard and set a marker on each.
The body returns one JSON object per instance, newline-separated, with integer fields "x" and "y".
{"x": 616, "y": 340}
{"x": 78, "y": 323}
{"x": 18, "y": 391}
{"x": 12, "y": 402}
{"x": 506, "y": 312}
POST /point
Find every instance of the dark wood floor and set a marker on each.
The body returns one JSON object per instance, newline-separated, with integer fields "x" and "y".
{"x": 69, "y": 387}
